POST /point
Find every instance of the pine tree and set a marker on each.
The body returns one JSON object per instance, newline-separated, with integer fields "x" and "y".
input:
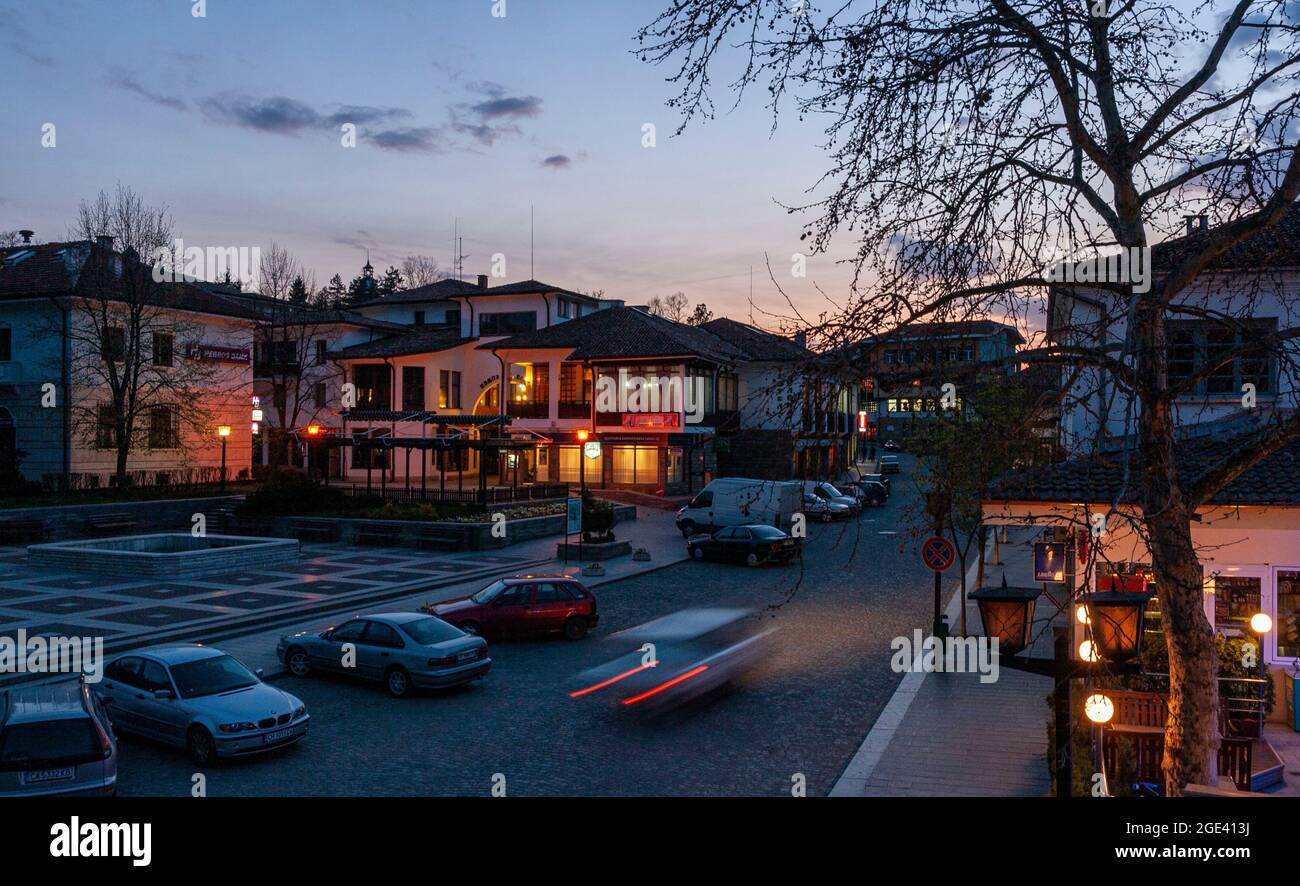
{"x": 392, "y": 281}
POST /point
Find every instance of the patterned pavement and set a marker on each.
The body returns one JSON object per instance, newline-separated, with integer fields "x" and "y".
{"x": 124, "y": 611}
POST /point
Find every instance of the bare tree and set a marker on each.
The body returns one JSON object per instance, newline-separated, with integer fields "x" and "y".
{"x": 128, "y": 332}
{"x": 974, "y": 145}
{"x": 287, "y": 355}
{"x": 673, "y": 307}
{"x": 421, "y": 270}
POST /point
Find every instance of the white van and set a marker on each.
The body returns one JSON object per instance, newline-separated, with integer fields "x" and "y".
{"x": 736, "y": 501}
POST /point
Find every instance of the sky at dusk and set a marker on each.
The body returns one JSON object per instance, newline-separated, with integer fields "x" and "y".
{"x": 233, "y": 121}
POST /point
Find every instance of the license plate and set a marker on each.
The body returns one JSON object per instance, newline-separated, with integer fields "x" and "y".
{"x": 278, "y": 735}
{"x": 44, "y": 775}
{"x": 467, "y": 656}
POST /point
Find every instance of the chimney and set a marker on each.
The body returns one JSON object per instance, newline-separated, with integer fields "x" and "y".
{"x": 801, "y": 339}
{"x": 1196, "y": 223}
{"x": 104, "y": 241}
{"x": 482, "y": 281}
{"x": 26, "y": 235}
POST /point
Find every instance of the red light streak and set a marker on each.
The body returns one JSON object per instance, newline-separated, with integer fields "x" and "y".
{"x": 661, "y": 687}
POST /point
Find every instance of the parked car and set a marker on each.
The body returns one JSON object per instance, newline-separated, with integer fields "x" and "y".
{"x": 752, "y": 545}
{"x": 736, "y": 501}
{"x": 402, "y": 650}
{"x": 200, "y": 699}
{"x": 824, "y": 490}
{"x": 871, "y": 492}
{"x": 524, "y": 606}
{"x": 889, "y": 464}
{"x": 891, "y": 446}
{"x": 878, "y": 478}
{"x": 56, "y": 739}
{"x": 816, "y": 508}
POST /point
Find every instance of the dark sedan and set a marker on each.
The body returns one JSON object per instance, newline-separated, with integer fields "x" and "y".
{"x": 752, "y": 545}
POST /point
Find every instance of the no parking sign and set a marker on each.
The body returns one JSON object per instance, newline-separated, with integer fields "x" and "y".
{"x": 938, "y": 554}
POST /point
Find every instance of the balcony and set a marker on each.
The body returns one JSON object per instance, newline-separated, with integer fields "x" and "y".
{"x": 528, "y": 410}
{"x": 580, "y": 410}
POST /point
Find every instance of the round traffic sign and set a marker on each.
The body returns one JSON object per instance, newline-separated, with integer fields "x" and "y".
{"x": 938, "y": 553}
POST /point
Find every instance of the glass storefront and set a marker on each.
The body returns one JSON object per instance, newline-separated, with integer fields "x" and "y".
{"x": 1287, "y": 623}
{"x": 635, "y": 464}
{"x": 1236, "y": 599}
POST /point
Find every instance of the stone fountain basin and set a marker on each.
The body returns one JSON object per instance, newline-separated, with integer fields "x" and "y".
{"x": 164, "y": 554}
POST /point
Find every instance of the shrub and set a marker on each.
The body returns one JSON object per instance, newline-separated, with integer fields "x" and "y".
{"x": 287, "y": 493}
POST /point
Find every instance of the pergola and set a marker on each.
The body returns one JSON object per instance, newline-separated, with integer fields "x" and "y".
{"x": 387, "y": 440}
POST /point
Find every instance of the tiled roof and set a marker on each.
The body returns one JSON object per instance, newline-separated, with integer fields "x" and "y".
{"x": 1118, "y": 476}
{"x": 947, "y": 329}
{"x": 418, "y": 341}
{"x": 621, "y": 332}
{"x": 80, "y": 268}
{"x": 1275, "y": 247}
{"x": 757, "y": 344}
{"x": 528, "y": 287}
{"x": 440, "y": 290}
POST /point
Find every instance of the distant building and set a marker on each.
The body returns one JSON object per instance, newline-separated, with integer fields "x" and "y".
{"x": 905, "y": 373}
{"x": 64, "y": 326}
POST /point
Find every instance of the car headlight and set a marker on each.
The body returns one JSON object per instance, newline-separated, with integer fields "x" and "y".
{"x": 237, "y": 727}
{"x": 301, "y": 712}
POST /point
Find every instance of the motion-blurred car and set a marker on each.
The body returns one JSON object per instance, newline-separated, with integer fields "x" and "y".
{"x": 56, "y": 739}
{"x": 200, "y": 699}
{"x": 402, "y": 650}
{"x": 524, "y": 606}
{"x": 675, "y": 659}
{"x": 815, "y": 508}
{"x": 752, "y": 545}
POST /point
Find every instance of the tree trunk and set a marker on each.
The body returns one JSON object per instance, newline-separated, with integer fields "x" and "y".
{"x": 1192, "y": 733}
{"x": 123, "y": 450}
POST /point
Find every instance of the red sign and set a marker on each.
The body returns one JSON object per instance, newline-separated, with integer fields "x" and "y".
{"x": 1134, "y": 584}
{"x": 862, "y": 422}
{"x": 218, "y": 354}
{"x": 651, "y": 420}
{"x": 938, "y": 553}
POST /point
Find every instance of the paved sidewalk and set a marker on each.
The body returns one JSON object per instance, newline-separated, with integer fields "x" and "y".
{"x": 948, "y": 735}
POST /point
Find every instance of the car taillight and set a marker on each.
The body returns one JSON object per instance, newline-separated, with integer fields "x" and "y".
{"x": 482, "y": 652}
{"x": 776, "y": 546}
{"x": 104, "y": 744}
{"x": 446, "y": 659}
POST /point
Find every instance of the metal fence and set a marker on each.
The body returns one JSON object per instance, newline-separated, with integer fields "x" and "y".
{"x": 493, "y": 495}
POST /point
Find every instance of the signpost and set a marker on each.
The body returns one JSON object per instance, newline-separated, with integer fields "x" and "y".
{"x": 572, "y": 522}
{"x": 938, "y": 554}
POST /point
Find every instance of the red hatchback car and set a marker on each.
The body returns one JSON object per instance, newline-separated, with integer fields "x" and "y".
{"x": 523, "y": 606}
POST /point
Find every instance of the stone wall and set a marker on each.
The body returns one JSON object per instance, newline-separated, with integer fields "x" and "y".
{"x": 69, "y": 521}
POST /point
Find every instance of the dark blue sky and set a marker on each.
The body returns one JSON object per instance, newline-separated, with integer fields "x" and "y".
{"x": 233, "y": 120}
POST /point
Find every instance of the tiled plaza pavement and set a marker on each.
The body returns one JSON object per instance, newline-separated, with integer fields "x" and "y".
{"x": 128, "y": 611}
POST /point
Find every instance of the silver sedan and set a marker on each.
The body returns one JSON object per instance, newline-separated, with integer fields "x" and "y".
{"x": 402, "y": 650}
{"x": 201, "y": 699}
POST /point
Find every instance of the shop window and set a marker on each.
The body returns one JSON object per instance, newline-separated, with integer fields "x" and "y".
{"x": 164, "y": 428}
{"x": 162, "y": 348}
{"x": 1288, "y": 614}
{"x": 448, "y": 389}
{"x": 1236, "y": 599}
{"x": 635, "y": 464}
{"x": 509, "y": 323}
{"x": 413, "y": 388}
{"x": 106, "y": 427}
{"x": 570, "y": 459}
{"x": 374, "y": 386}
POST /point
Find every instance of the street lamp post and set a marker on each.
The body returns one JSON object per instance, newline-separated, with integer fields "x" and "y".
{"x": 1261, "y": 624}
{"x": 223, "y": 431}
{"x": 582, "y": 485}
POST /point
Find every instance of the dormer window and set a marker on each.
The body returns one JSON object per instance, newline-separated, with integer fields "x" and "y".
{"x": 19, "y": 256}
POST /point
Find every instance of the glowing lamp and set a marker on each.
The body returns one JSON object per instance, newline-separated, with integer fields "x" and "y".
{"x": 1260, "y": 623}
{"x": 223, "y": 430}
{"x": 582, "y": 436}
{"x": 1007, "y": 615}
{"x": 1118, "y": 621}
{"x": 1099, "y": 708}
{"x": 1088, "y": 652}
{"x": 313, "y": 430}
{"x": 1081, "y": 614}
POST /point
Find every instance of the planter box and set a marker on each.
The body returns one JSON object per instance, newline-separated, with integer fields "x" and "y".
{"x": 607, "y": 551}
